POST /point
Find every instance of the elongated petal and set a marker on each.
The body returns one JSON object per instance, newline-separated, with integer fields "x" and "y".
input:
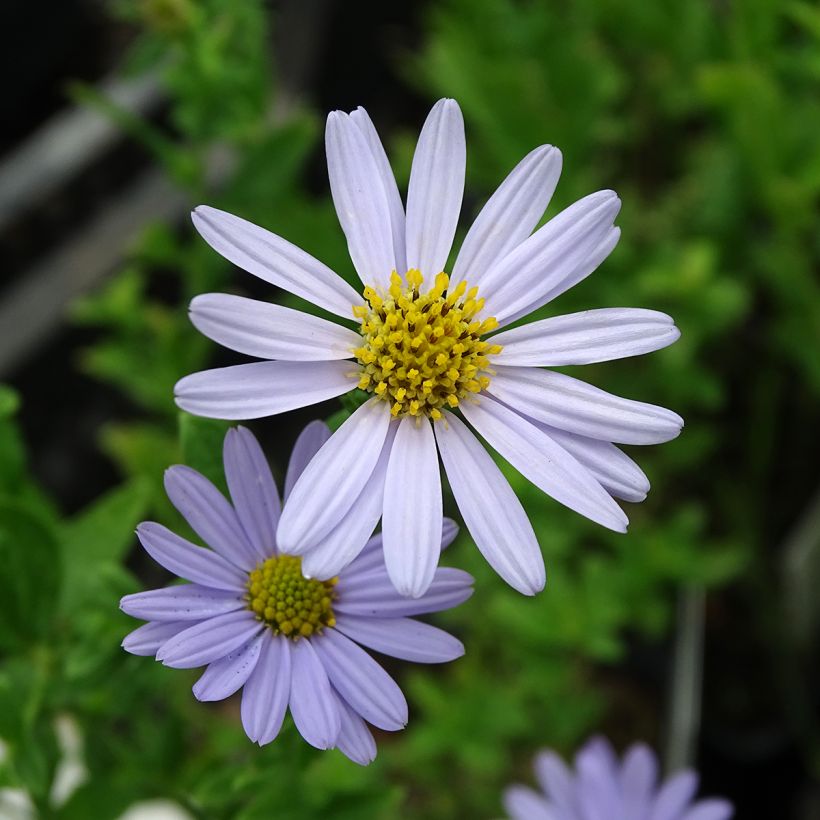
{"x": 148, "y": 638}
{"x": 308, "y": 443}
{"x": 639, "y": 775}
{"x": 509, "y": 216}
{"x": 550, "y": 256}
{"x": 355, "y": 740}
{"x": 334, "y": 478}
{"x": 202, "y": 566}
{"x": 613, "y": 468}
{"x": 402, "y": 638}
{"x": 252, "y": 391}
{"x": 266, "y": 692}
{"x": 557, "y": 781}
{"x": 436, "y": 188}
{"x": 183, "y": 602}
{"x": 312, "y": 702}
{"x": 211, "y": 517}
{"x": 586, "y": 337}
{"x": 537, "y": 457}
{"x": 270, "y": 331}
{"x": 268, "y": 256}
{"x": 577, "y": 407}
{"x": 391, "y": 190}
{"x": 361, "y": 201}
{"x": 253, "y": 490}
{"x": 347, "y": 539}
{"x": 411, "y": 528}
{"x": 522, "y": 803}
{"x": 491, "y": 510}
{"x": 712, "y": 809}
{"x": 598, "y": 786}
{"x": 373, "y": 595}
{"x": 369, "y": 690}
{"x": 209, "y": 640}
{"x": 674, "y": 796}
{"x": 224, "y": 677}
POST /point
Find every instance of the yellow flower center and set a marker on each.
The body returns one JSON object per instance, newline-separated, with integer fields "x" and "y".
{"x": 287, "y": 601}
{"x": 423, "y": 351}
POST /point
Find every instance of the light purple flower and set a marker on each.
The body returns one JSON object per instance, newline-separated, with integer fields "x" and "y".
{"x": 422, "y": 348}
{"x": 605, "y": 788}
{"x": 257, "y": 623}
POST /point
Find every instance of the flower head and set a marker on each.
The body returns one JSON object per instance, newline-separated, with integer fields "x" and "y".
{"x": 423, "y": 344}
{"x": 604, "y": 788}
{"x": 257, "y": 622}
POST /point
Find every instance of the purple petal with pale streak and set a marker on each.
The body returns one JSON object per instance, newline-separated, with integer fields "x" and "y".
{"x": 674, "y": 796}
{"x": 638, "y": 776}
{"x": 309, "y": 442}
{"x": 253, "y": 490}
{"x": 391, "y": 190}
{"x": 211, "y": 517}
{"x": 712, "y": 809}
{"x": 557, "y": 782}
{"x": 269, "y": 331}
{"x": 312, "y": 702}
{"x": 333, "y": 479}
{"x": 373, "y": 595}
{"x": 183, "y": 602}
{"x": 522, "y": 803}
{"x": 577, "y": 407}
{"x": 491, "y": 510}
{"x": 550, "y": 256}
{"x": 509, "y": 216}
{"x": 268, "y": 256}
{"x": 347, "y": 539}
{"x": 224, "y": 677}
{"x": 148, "y": 638}
{"x": 412, "y": 521}
{"x": 252, "y": 391}
{"x": 436, "y": 188}
{"x": 202, "y": 566}
{"x": 366, "y": 687}
{"x": 538, "y": 458}
{"x": 355, "y": 740}
{"x": 360, "y": 199}
{"x": 209, "y": 640}
{"x": 586, "y": 337}
{"x": 402, "y": 638}
{"x": 266, "y": 692}
{"x": 613, "y": 468}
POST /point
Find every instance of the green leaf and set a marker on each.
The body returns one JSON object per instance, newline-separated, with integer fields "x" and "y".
{"x": 9, "y": 401}
{"x": 201, "y": 441}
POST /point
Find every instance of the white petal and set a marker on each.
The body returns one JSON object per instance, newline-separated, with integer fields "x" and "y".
{"x": 147, "y": 639}
{"x": 491, "y": 510}
{"x": 266, "y": 692}
{"x": 509, "y": 216}
{"x": 360, "y": 199}
{"x": 549, "y": 257}
{"x": 334, "y": 478}
{"x": 312, "y": 702}
{"x": 537, "y": 457}
{"x": 586, "y": 337}
{"x": 355, "y": 740}
{"x": 613, "y": 468}
{"x": 309, "y": 442}
{"x": 270, "y": 331}
{"x": 403, "y": 638}
{"x": 436, "y": 188}
{"x": 569, "y": 404}
{"x": 181, "y": 602}
{"x": 268, "y": 256}
{"x": 391, "y": 190}
{"x": 252, "y": 391}
{"x": 348, "y": 538}
{"x": 412, "y": 522}
{"x": 224, "y": 677}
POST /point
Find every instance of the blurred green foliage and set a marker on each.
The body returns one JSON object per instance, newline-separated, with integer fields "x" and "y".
{"x": 705, "y": 118}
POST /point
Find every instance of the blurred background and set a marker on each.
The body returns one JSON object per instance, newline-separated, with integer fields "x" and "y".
{"x": 697, "y": 632}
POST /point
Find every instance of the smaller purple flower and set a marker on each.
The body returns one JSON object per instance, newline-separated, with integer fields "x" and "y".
{"x": 258, "y": 623}
{"x": 606, "y": 788}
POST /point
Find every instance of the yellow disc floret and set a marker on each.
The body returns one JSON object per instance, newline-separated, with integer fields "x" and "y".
{"x": 423, "y": 351}
{"x": 287, "y": 601}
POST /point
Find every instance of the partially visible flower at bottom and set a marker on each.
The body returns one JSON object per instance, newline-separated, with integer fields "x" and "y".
{"x": 606, "y": 788}
{"x": 255, "y": 621}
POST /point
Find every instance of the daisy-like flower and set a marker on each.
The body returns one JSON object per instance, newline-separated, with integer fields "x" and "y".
{"x": 604, "y": 788}
{"x": 252, "y": 617}
{"x": 425, "y": 347}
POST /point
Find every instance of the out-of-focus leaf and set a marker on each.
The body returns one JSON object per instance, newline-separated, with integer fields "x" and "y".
{"x": 202, "y": 441}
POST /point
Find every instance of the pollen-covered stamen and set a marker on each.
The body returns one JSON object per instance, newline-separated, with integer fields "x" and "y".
{"x": 287, "y": 601}
{"x": 423, "y": 351}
